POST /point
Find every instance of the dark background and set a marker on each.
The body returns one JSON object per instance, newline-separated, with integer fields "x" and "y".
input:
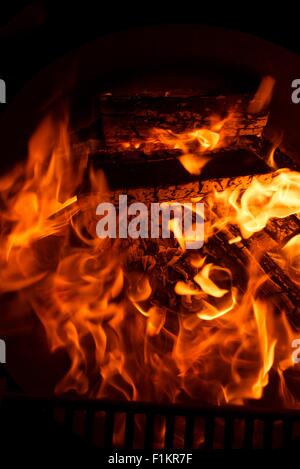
{"x": 34, "y": 34}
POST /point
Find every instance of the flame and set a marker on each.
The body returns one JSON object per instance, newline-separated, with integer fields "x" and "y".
{"x": 267, "y": 347}
{"x": 290, "y": 258}
{"x": 263, "y": 95}
{"x": 276, "y": 141}
{"x": 251, "y": 209}
{"x": 146, "y": 319}
{"x": 194, "y": 145}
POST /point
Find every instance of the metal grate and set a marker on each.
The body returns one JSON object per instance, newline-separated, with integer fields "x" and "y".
{"x": 255, "y": 423}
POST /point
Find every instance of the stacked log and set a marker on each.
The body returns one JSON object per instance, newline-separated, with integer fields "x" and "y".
{"x": 158, "y": 176}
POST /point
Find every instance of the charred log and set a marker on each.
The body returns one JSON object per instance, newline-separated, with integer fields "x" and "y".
{"x": 129, "y": 118}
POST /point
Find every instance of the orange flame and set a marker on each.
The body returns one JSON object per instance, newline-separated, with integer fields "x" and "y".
{"x": 263, "y": 95}
{"x": 145, "y": 319}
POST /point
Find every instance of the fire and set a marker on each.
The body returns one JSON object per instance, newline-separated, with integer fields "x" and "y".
{"x": 291, "y": 258}
{"x": 253, "y": 208}
{"x": 209, "y": 288}
{"x": 146, "y": 319}
{"x": 263, "y": 95}
{"x": 193, "y": 145}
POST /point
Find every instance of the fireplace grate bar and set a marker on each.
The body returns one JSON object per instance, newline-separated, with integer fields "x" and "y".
{"x": 109, "y": 429}
{"x": 209, "y": 430}
{"x": 248, "y": 434}
{"x": 212, "y": 417}
{"x": 189, "y": 432}
{"x": 229, "y": 433}
{"x": 129, "y": 430}
{"x": 169, "y": 436}
{"x": 149, "y": 431}
{"x": 268, "y": 434}
{"x": 69, "y": 418}
{"x": 89, "y": 425}
{"x": 287, "y": 430}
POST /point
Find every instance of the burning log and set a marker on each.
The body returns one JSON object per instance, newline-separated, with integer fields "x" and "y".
{"x": 181, "y": 193}
{"x": 148, "y": 138}
{"x": 130, "y": 118}
{"x": 139, "y": 170}
{"x": 279, "y": 286}
{"x": 206, "y": 322}
{"x": 222, "y": 247}
{"x": 125, "y": 123}
{"x": 173, "y": 139}
{"x": 165, "y": 256}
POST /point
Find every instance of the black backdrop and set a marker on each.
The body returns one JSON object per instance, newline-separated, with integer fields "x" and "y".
{"x": 34, "y": 34}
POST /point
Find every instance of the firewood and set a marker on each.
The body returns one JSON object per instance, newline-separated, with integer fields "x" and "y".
{"x": 256, "y": 250}
{"x": 126, "y": 118}
{"x": 184, "y": 192}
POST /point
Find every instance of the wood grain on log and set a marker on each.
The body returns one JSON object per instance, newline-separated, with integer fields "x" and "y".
{"x": 125, "y": 118}
{"x": 165, "y": 168}
{"x": 256, "y": 250}
{"x": 122, "y": 119}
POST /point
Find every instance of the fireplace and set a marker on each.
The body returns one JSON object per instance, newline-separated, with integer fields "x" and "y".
{"x": 150, "y": 344}
{"x": 71, "y": 422}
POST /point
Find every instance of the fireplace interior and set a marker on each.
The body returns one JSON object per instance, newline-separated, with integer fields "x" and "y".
{"x": 147, "y": 344}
